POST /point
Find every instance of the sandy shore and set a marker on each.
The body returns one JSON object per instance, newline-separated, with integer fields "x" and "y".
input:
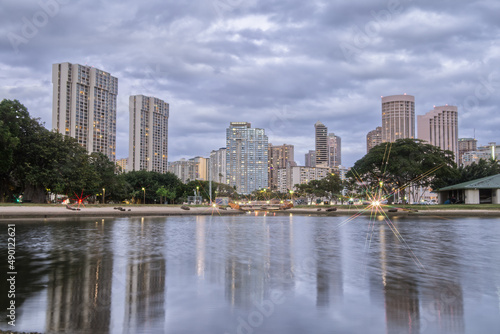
{"x": 413, "y": 213}
{"x": 8, "y": 212}
{"x": 32, "y": 211}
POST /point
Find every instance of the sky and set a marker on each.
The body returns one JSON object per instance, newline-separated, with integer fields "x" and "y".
{"x": 280, "y": 65}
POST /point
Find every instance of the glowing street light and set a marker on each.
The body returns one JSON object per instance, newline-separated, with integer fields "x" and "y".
{"x": 103, "y": 195}
{"x": 144, "y": 189}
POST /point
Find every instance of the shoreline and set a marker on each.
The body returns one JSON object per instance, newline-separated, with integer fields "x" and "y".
{"x": 47, "y": 212}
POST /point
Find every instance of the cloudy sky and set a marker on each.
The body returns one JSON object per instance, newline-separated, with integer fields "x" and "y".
{"x": 281, "y": 65}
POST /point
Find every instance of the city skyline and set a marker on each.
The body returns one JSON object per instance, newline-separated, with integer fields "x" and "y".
{"x": 272, "y": 64}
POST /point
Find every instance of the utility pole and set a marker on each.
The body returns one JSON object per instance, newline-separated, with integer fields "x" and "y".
{"x": 210, "y": 183}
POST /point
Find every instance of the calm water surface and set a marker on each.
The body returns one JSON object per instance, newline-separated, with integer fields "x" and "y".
{"x": 255, "y": 274}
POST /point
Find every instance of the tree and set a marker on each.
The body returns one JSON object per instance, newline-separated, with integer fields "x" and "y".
{"x": 474, "y": 171}
{"x": 15, "y": 124}
{"x": 170, "y": 194}
{"x": 404, "y": 163}
{"x": 151, "y": 182}
{"x": 162, "y": 192}
{"x": 331, "y": 186}
{"x": 306, "y": 190}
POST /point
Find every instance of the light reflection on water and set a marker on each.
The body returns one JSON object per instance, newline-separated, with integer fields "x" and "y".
{"x": 264, "y": 274}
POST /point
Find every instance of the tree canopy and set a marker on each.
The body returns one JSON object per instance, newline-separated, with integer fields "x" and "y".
{"x": 474, "y": 171}
{"x": 395, "y": 166}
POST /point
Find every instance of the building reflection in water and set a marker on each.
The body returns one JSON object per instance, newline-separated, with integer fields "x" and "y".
{"x": 79, "y": 288}
{"x": 443, "y": 304}
{"x": 437, "y": 306}
{"x": 145, "y": 278}
{"x": 329, "y": 281}
{"x": 402, "y": 312}
{"x": 254, "y": 269}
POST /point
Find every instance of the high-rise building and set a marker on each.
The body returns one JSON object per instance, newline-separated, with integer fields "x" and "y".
{"x": 439, "y": 127}
{"x": 122, "y": 163}
{"x": 84, "y": 106}
{"x": 148, "y": 134}
{"x": 334, "y": 144}
{"x": 398, "y": 117}
{"x": 373, "y": 138}
{"x": 218, "y": 165}
{"x": 198, "y": 168}
{"x": 246, "y": 157}
{"x": 321, "y": 144}
{"x": 278, "y": 157}
{"x": 311, "y": 158}
{"x": 465, "y": 145}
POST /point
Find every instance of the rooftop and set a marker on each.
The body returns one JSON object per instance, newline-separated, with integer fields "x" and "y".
{"x": 489, "y": 182}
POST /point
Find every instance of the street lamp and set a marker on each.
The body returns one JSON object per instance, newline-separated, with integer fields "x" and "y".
{"x": 144, "y": 189}
{"x": 103, "y": 194}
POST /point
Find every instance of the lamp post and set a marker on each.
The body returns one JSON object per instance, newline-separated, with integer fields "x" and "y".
{"x": 103, "y": 195}
{"x": 144, "y": 189}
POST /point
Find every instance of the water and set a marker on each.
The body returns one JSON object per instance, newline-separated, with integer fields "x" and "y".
{"x": 248, "y": 274}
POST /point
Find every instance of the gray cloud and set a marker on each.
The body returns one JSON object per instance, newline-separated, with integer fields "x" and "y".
{"x": 281, "y": 65}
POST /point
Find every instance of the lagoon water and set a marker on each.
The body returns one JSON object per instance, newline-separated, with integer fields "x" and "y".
{"x": 255, "y": 274}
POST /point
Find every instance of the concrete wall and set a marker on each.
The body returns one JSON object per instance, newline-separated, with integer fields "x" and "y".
{"x": 496, "y": 196}
{"x": 471, "y": 196}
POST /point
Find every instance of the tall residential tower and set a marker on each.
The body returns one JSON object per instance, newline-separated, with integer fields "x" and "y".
{"x": 439, "y": 127}
{"x": 279, "y": 157}
{"x": 321, "y": 144}
{"x": 148, "y": 134}
{"x": 334, "y": 145}
{"x": 246, "y": 157}
{"x": 84, "y": 106}
{"x": 398, "y": 117}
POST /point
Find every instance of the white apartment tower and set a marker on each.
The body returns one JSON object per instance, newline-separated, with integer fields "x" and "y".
{"x": 84, "y": 106}
{"x": 246, "y": 157}
{"x": 439, "y": 127}
{"x": 218, "y": 165}
{"x": 148, "y": 134}
{"x": 398, "y": 117}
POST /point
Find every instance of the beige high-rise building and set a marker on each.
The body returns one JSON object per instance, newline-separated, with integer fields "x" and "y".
{"x": 84, "y": 106}
{"x": 321, "y": 144}
{"x": 398, "y": 117}
{"x": 465, "y": 145}
{"x": 123, "y": 164}
{"x": 199, "y": 168}
{"x": 373, "y": 138}
{"x": 439, "y": 127}
{"x": 148, "y": 134}
{"x": 279, "y": 157}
